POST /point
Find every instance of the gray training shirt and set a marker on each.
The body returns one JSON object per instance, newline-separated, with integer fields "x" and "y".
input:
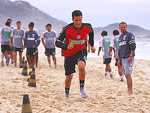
{"x": 31, "y": 38}
{"x": 49, "y": 38}
{"x": 6, "y": 32}
{"x": 115, "y": 44}
{"x": 105, "y": 45}
{"x": 18, "y": 35}
{"x": 126, "y": 45}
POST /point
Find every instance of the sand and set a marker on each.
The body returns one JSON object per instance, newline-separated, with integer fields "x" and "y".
{"x": 105, "y": 95}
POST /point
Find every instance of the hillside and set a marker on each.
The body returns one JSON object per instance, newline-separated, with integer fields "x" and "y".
{"x": 136, "y": 30}
{"x": 21, "y": 10}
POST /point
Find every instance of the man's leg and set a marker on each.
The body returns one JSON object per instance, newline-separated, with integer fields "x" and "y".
{"x": 15, "y": 58}
{"x": 109, "y": 70}
{"x": 2, "y": 57}
{"x": 12, "y": 56}
{"x": 8, "y": 57}
{"x": 36, "y": 60}
{"x": 32, "y": 60}
{"x": 129, "y": 83}
{"x": 54, "y": 60}
{"x": 49, "y": 61}
{"x": 68, "y": 84}
{"x": 120, "y": 71}
{"x": 20, "y": 58}
{"x": 106, "y": 71}
{"x": 28, "y": 59}
{"x": 81, "y": 67}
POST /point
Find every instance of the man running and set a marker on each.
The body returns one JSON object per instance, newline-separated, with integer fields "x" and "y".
{"x": 127, "y": 48}
{"x": 48, "y": 40}
{"x": 104, "y": 45}
{"x": 6, "y": 32}
{"x": 31, "y": 37}
{"x": 16, "y": 41}
{"x": 74, "y": 49}
{"x": 115, "y": 47}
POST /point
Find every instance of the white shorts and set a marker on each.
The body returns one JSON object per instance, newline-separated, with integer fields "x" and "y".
{"x": 127, "y": 67}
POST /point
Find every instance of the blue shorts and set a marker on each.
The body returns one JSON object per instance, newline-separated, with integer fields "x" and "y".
{"x": 127, "y": 67}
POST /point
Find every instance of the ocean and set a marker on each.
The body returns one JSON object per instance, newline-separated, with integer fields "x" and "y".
{"x": 142, "y": 50}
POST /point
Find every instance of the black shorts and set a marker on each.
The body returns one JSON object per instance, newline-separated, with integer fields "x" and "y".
{"x": 50, "y": 51}
{"x": 31, "y": 51}
{"x": 17, "y": 49}
{"x": 5, "y": 48}
{"x": 116, "y": 63}
{"x": 107, "y": 61}
{"x": 71, "y": 61}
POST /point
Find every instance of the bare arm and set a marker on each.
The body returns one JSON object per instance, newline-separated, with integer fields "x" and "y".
{"x": 11, "y": 42}
{"x": 99, "y": 50}
{"x": 43, "y": 42}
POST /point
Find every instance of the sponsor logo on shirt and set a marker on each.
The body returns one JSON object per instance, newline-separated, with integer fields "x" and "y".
{"x": 30, "y": 38}
{"x": 49, "y": 38}
{"x": 122, "y": 43}
{"x": 78, "y": 36}
{"x": 77, "y": 42}
{"x": 17, "y": 36}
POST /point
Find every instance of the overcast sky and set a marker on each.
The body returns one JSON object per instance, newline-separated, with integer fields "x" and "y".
{"x": 99, "y": 12}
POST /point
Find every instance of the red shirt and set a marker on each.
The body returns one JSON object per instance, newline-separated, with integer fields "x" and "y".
{"x": 78, "y": 37}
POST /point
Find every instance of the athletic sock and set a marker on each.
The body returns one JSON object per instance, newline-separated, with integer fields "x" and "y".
{"x": 8, "y": 59}
{"x": 67, "y": 92}
{"x": 2, "y": 56}
{"x": 105, "y": 74}
{"x": 110, "y": 73}
{"x": 121, "y": 77}
{"x": 82, "y": 83}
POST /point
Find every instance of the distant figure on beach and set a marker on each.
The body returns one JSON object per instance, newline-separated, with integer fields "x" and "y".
{"x": 16, "y": 42}
{"x": 31, "y": 43}
{"x": 12, "y": 53}
{"x": 127, "y": 48}
{"x": 48, "y": 40}
{"x": 115, "y": 47}
{"x": 5, "y": 33}
{"x": 105, "y": 46}
{"x": 74, "y": 49}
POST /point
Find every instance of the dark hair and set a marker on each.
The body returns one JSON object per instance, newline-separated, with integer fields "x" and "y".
{"x": 9, "y": 19}
{"x": 115, "y": 32}
{"x": 104, "y": 33}
{"x": 31, "y": 24}
{"x": 123, "y": 23}
{"x": 7, "y": 23}
{"x": 76, "y": 13}
{"x": 18, "y": 22}
{"x": 48, "y": 25}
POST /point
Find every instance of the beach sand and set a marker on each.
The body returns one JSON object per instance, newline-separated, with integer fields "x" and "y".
{"x": 105, "y": 95}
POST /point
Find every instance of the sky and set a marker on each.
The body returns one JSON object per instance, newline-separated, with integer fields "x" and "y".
{"x": 99, "y": 13}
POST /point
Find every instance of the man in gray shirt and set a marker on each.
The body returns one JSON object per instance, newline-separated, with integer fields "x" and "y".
{"x": 16, "y": 41}
{"x": 12, "y": 53}
{"x": 5, "y": 32}
{"x": 48, "y": 40}
{"x": 31, "y": 43}
{"x": 127, "y": 48}
{"x": 105, "y": 46}
{"x": 115, "y": 47}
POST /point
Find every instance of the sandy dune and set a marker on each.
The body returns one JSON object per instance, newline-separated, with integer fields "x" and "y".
{"x": 105, "y": 95}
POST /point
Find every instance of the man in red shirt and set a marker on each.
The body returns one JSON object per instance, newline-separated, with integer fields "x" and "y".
{"x": 73, "y": 41}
